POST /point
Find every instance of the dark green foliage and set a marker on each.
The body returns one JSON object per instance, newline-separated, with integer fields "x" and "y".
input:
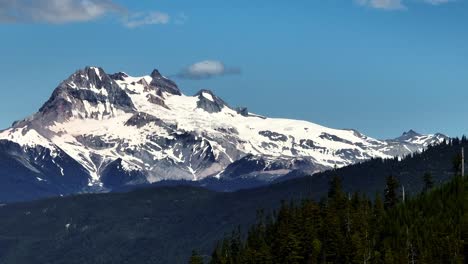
{"x": 457, "y": 164}
{"x": 390, "y": 192}
{"x": 428, "y": 181}
{"x": 370, "y": 177}
{"x": 430, "y": 228}
{"x": 195, "y": 258}
{"x": 154, "y": 225}
{"x": 335, "y": 191}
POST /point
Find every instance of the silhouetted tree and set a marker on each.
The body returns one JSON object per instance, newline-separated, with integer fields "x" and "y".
{"x": 391, "y": 195}
{"x": 457, "y": 163}
{"x": 428, "y": 181}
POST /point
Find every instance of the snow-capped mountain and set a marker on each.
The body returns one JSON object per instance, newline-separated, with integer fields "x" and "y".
{"x": 101, "y": 131}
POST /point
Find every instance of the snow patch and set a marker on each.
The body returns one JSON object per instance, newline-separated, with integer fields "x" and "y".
{"x": 208, "y": 96}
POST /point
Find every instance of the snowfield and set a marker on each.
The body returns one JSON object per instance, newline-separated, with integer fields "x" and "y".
{"x": 150, "y": 128}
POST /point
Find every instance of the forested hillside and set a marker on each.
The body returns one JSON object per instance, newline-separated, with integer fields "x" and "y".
{"x": 162, "y": 224}
{"x": 369, "y": 177}
{"x": 429, "y": 228}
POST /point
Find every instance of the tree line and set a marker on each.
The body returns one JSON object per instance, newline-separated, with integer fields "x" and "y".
{"x": 430, "y": 227}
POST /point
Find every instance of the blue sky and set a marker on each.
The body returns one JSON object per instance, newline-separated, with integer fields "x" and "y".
{"x": 379, "y": 66}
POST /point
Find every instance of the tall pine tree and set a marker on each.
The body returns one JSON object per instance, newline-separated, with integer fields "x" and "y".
{"x": 428, "y": 181}
{"x": 391, "y": 192}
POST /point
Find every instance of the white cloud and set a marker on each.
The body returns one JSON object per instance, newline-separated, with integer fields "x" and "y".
{"x": 69, "y": 11}
{"x": 151, "y": 18}
{"x": 438, "y": 2}
{"x": 383, "y": 4}
{"x": 396, "y": 4}
{"x": 55, "y": 11}
{"x": 206, "y": 69}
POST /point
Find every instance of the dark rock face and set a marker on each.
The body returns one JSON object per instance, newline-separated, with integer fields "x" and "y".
{"x": 309, "y": 144}
{"x": 334, "y": 138}
{"x": 141, "y": 119}
{"x": 114, "y": 175}
{"x": 202, "y": 151}
{"x": 212, "y": 104}
{"x": 57, "y": 107}
{"x": 95, "y": 86}
{"x": 243, "y": 111}
{"x": 246, "y": 165}
{"x": 411, "y": 134}
{"x": 120, "y": 76}
{"x": 37, "y": 173}
{"x": 164, "y": 84}
{"x": 95, "y": 142}
{"x": 157, "y": 100}
{"x": 352, "y": 153}
{"x": 273, "y": 136}
{"x": 267, "y": 170}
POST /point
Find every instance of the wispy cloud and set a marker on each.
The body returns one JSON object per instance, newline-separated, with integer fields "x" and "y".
{"x": 55, "y": 11}
{"x": 207, "y": 69}
{"x": 383, "y": 4}
{"x": 438, "y": 2}
{"x": 72, "y": 11}
{"x": 151, "y": 18}
{"x": 396, "y": 4}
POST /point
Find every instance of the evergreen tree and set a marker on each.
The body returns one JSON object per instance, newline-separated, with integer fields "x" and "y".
{"x": 335, "y": 190}
{"x": 391, "y": 195}
{"x": 236, "y": 246}
{"x": 457, "y": 163}
{"x": 428, "y": 181}
{"x": 195, "y": 258}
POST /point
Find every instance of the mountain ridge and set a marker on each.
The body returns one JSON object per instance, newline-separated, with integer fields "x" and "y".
{"x": 144, "y": 130}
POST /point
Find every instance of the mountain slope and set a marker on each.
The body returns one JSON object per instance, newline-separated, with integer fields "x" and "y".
{"x": 125, "y": 131}
{"x": 163, "y": 224}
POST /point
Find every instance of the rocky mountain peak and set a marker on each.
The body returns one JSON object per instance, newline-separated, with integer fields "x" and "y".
{"x": 156, "y": 74}
{"x": 89, "y": 77}
{"x": 411, "y": 133}
{"x": 414, "y": 140}
{"x": 87, "y": 93}
{"x": 148, "y": 131}
{"x": 164, "y": 84}
{"x": 243, "y": 111}
{"x": 209, "y": 102}
{"x": 408, "y": 136}
{"x": 120, "y": 76}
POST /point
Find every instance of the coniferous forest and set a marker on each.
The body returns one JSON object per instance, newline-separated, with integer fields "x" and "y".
{"x": 321, "y": 219}
{"x": 431, "y": 227}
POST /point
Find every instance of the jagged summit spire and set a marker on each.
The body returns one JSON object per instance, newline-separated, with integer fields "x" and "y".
{"x": 205, "y": 91}
{"x": 164, "y": 84}
{"x": 408, "y": 135}
{"x": 87, "y": 93}
{"x": 156, "y": 74}
{"x": 88, "y": 77}
{"x": 119, "y": 76}
{"x": 411, "y": 132}
{"x": 209, "y": 102}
